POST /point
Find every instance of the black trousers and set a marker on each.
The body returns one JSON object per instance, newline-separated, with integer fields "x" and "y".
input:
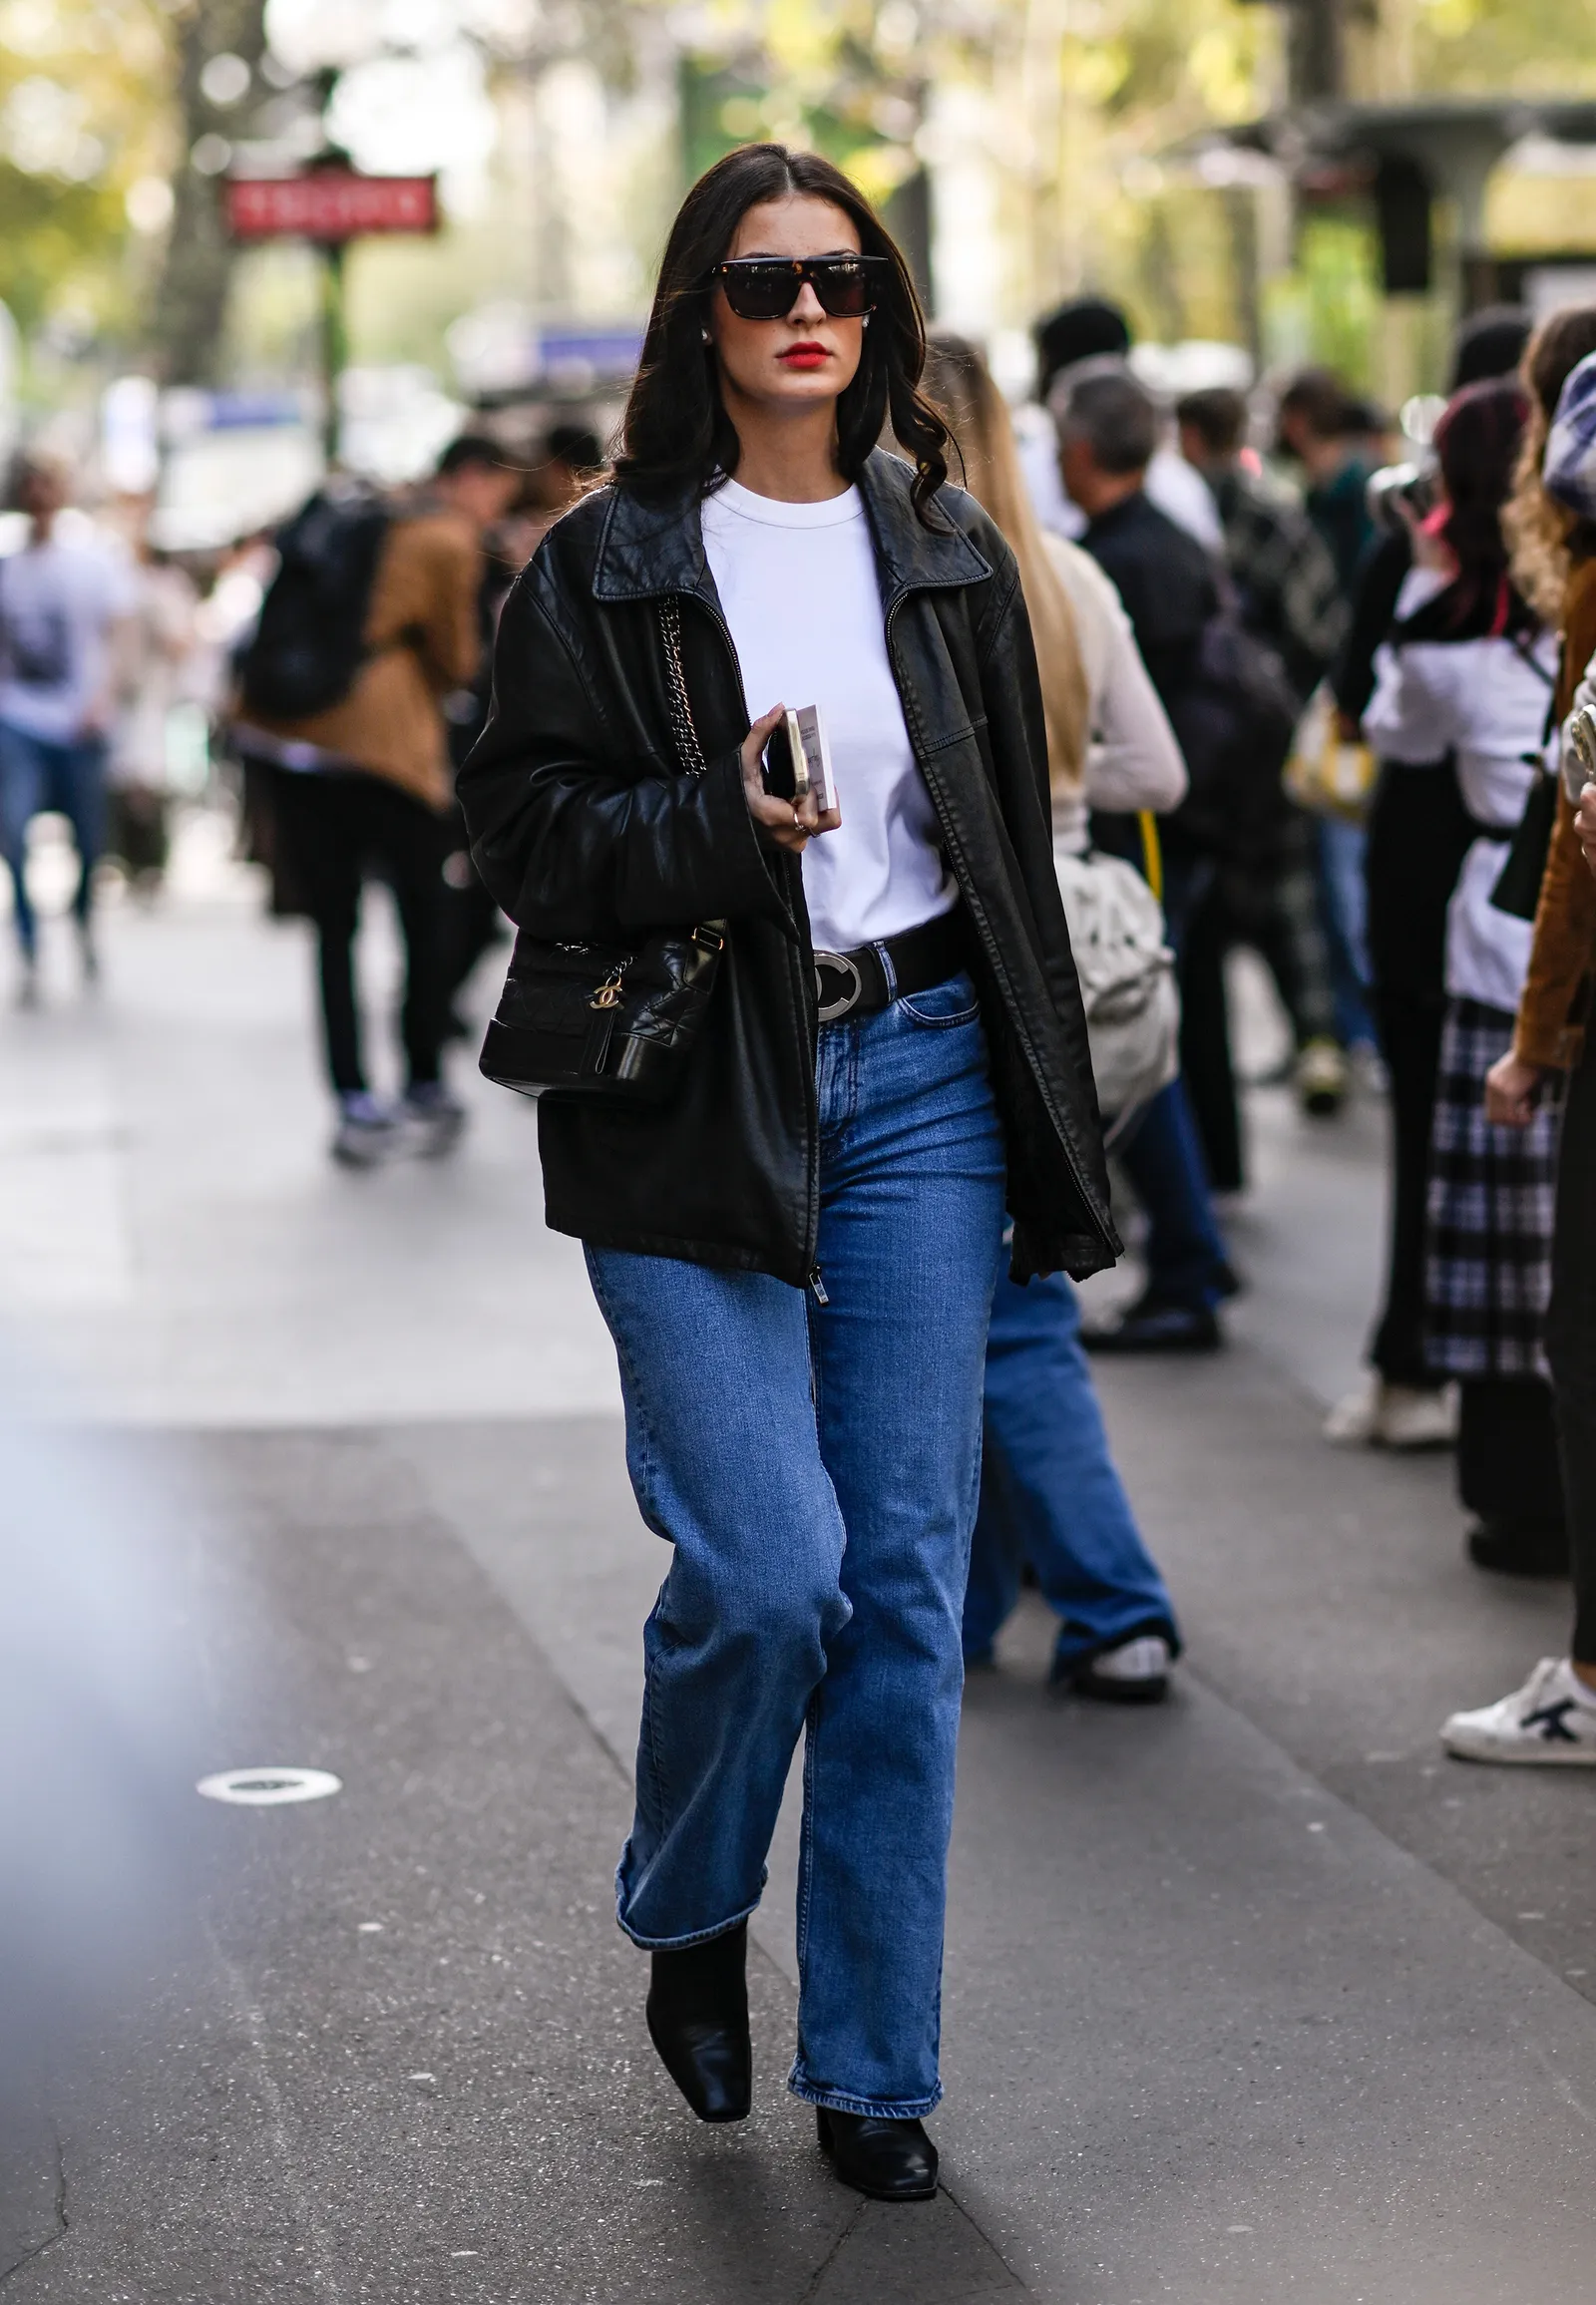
{"x": 473, "y": 923}
{"x": 1418, "y": 835}
{"x": 1571, "y": 1339}
{"x": 1509, "y": 1473}
{"x": 1271, "y": 904}
{"x": 340, "y": 828}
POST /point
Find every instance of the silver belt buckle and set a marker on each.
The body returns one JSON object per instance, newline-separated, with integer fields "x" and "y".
{"x": 853, "y": 993}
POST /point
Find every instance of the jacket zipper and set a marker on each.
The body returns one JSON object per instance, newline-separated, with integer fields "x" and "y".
{"x": 803, "y": 959}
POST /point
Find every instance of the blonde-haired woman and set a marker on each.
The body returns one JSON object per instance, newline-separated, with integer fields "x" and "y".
{"x": 1049, "y": 1493}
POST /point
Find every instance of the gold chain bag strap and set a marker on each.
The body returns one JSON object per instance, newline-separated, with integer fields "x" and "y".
{"x": 616, "y": 1021}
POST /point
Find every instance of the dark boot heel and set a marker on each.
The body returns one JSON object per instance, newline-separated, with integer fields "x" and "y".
{"x": 698, "y": 2013}
{"x": 891, "y": 2160}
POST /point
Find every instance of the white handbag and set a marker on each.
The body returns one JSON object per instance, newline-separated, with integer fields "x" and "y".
{"x": 1127, "y": 977}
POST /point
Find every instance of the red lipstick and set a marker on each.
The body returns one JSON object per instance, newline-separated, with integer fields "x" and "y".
{"x": 804, "y": 355}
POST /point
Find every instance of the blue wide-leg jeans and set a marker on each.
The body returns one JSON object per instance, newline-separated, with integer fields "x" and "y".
{"x": 36, "y": 775}
{"x": 816, "y": 1468}
{"x": 1049, "y": 1493}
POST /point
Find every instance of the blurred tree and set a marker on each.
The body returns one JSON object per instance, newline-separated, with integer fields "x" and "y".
{"x": 82, "y": 132}
{"x": 219, "y": 44}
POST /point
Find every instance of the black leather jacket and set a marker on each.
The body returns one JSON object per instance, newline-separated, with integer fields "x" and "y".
{"x": 585, "y": 826}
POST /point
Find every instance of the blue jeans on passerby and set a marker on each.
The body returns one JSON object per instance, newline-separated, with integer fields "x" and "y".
{"x": 1162, "y": 1153}
{"x": 1344, "y": 891}
{"x": 1049, "y": 1493}
{"x": 1185, "y": 1250}
{"x": 816, "y": 1470}
{"x": 68, "y": 778}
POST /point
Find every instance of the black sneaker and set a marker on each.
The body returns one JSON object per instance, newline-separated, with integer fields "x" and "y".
{"x": 367, "y": 1133}
{"x": 433, "y": 1121}
{"x": 1149, "y": 1327}
{"x": 1516, "y": 1550}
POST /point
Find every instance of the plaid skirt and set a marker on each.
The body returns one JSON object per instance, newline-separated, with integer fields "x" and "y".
{"x": 1488, "y": 1251}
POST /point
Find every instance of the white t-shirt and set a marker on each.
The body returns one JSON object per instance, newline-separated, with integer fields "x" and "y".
{"x": 1484, "y": 701}
{"x": 58, "y": 603}
{"x": 798, "y": 589}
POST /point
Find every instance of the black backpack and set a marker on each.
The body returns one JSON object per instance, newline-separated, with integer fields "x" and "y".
{"x": 311, "y": 639}
{"x": 1235, "y": 717}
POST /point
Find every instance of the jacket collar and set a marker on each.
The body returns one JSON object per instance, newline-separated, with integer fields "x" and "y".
{"x": 654, "y": 547}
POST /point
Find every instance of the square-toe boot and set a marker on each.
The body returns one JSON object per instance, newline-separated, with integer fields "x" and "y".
{"x": 698, "y": 2013}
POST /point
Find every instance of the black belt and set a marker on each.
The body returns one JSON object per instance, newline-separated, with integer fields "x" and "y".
{"x": 870, "y": 977}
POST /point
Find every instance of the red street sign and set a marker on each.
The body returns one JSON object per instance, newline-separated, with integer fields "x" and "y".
{"x": 329, "y": 204}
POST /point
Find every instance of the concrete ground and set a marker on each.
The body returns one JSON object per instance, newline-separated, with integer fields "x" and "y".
{"x": 1249, "y": 1999}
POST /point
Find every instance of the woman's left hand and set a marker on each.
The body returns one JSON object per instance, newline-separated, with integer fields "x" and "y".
{"x": 787, "y": 824}
{"x": 1585, "y": 825}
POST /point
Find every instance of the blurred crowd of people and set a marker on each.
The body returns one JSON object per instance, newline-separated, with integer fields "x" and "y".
{"x": 1305, "y": 680}
{"x": 1370, "y": 651}
{"x": 125, "y": 691}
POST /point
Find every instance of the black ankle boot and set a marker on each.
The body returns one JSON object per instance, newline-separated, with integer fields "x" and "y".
{"x": 891, "y": 2160}
{"x": 697, "y": 2014}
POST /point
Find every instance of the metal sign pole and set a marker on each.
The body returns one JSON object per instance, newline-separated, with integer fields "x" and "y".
{"x": 334, "y": 336}
{"x": 329, "y": 204}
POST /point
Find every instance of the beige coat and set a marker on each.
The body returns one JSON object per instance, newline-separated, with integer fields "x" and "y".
{"x": 423, "y": 636}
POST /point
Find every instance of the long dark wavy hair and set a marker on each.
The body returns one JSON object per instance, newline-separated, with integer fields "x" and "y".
{"x": 676, "y": 428}
{"x": 1546, "y": 537}
{"x": 1476, "y": 446}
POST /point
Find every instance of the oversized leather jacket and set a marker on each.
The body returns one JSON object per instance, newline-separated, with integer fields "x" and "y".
{"x": 585, "y": 826}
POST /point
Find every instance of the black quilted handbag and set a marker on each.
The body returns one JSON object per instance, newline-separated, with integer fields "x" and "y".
{"x": 610, "y": 1020}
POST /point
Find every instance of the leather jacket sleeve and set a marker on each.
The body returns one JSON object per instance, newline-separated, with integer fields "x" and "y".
{"x": 574, "y": 838}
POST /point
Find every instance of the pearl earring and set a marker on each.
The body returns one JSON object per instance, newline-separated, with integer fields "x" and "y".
{"x": 704, "y": 333}
{"x": 864, "y": 320}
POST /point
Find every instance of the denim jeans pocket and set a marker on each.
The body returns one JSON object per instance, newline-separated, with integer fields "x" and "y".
{"x": 951, "y": 1002}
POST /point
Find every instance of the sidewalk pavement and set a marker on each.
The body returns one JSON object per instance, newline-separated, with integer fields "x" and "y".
{"x": 1252, "y": 1999}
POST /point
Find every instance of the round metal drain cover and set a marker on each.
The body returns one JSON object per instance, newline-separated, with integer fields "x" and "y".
{"x": 268, "y": 1788}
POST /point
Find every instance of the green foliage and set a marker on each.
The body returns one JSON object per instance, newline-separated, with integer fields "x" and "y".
{"x": 84, "y": 114}
{"x": 1488, "y": 47}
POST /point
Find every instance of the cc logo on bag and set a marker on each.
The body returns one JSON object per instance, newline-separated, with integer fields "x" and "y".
{"x": 842, "y": 972}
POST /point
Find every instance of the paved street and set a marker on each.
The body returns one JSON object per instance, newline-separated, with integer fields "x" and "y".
{"x": 1249, "y": 1999}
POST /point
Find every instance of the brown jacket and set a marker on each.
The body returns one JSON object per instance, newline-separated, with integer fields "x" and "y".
{"x": 424, "y": 638}
{"x": 1551, "y": 1028}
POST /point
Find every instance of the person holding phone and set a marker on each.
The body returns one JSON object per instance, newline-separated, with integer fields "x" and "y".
{"x": 796, "y": 1253}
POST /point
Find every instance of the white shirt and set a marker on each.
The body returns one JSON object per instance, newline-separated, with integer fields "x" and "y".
{"x": 799, "y": 592}
{"x": 1132, "y": 758}
{"x": 58, "y": 603}
{"x": 1484, "y": 701}
{"x": 1174, "y": 486}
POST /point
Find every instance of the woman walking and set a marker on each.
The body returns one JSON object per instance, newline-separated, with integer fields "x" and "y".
{"x": 1470, "y": 668}
{"x": 1051, "y": 1494}
{"x": 796, "y": 1254}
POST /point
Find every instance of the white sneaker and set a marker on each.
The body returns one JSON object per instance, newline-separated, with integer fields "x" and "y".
{"x": 1376, "y": 1414}
{"x": 1417, "y": 1417}
{"x": 1355, "y": 1419}
{"x": 1136, "y": 1672}
{"x": 1547, "y": 1721}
